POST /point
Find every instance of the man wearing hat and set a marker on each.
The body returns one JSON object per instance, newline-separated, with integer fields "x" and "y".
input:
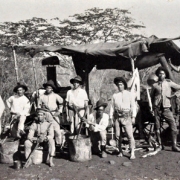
{"x": 76, "y": 99}
{"x": 19, "y": 106}
{"x": 41, "y": 131}
{"x": 161, "y": 94}
{"x": 123, "y": 112}
{"x": 53, "y": 103}
{"x": 98, "y": 122}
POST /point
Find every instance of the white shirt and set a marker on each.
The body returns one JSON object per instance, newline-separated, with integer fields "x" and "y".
{"x": 77, "y": 97}
{"x": 19, "y": 104}
{"x": 123, "y": 101}
{"x": 103, "y": 123}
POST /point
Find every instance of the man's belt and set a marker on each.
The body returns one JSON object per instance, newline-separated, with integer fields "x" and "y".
{"x": 79, "y": 109}
{"x": 122, "y": 113}
{"x": 12, "y": 113}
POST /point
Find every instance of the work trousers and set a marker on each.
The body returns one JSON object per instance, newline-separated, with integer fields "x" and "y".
{"x": 56, "y": 126}
{"x": 21, "y": 122}
{"x": 28, "y": 147}
{"x": 166, "y": 114}
{"x": 98, "y": 139}
{"x": 126, "y": 123}
{"x": 98, "y": 136}
{"x": 75, "y": 120}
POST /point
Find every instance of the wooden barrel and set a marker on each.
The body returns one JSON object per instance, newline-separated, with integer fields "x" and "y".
{"x": 9, "y": 151}
{"x": 80, "y": 149}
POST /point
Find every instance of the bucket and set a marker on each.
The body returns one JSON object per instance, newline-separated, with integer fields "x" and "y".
{"x": 17, "y": 165}
{"x": 39, "y": 156}
{"x": 80, "y": 149}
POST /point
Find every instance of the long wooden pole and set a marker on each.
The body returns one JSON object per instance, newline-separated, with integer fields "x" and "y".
{"x": 15, "y": 64}
{"x": 132, "y": 65}
{"x": 35, "y": 76}
{"x": 36, "y": 85}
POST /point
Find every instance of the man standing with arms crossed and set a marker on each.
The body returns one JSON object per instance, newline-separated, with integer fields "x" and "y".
{"x": 53, "y": 103}
{"x": 123, "y": 112}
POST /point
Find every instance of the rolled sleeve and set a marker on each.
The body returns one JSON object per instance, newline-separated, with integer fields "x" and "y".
{"x": 174, "y": 85}
{"x": 103, "y": 124}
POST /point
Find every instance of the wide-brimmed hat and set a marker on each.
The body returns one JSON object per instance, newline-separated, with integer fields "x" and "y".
{"x": 77, "y": 78}
{"x": 120, "y": 79}
{"x": 20, "y": 86}
{"x": 49, "y": 83}
{"x": 39, "y": 110}
{"x": 100, "y": 103}
{"x": 162, "y": 69}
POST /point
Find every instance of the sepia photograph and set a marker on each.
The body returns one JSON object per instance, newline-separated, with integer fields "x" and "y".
{"x": 89, "y": 90}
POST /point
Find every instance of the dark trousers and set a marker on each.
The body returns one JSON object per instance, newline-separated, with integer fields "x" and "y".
{"x": 164, "y": 113}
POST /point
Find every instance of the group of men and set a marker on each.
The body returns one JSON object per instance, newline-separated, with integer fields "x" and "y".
{"x": 122, "y": 114}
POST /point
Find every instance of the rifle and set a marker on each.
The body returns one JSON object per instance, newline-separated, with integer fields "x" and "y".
{"x": 31, "y": 154}
{"x": 48, "y": 110}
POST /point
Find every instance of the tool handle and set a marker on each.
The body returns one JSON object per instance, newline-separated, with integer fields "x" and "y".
{"x": 112, "y": 132}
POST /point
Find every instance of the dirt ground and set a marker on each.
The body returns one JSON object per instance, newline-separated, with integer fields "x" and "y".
{"x": 165, "y": 165}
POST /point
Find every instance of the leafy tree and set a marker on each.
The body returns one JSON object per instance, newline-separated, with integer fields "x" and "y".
{"x": 94, "y": 25}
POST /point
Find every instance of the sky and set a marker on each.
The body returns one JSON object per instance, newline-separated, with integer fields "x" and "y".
{"x": 161, "y": 17}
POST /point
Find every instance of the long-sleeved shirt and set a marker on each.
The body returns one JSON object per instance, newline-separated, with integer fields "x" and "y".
{"x": 42, "y": 128}
{"x": 161, "y": 91}
{"x": 102, "y": 124}
{"x": 50, "y": 101}
{"x": 123, "y": 101}
{"x": 19, "y": 104}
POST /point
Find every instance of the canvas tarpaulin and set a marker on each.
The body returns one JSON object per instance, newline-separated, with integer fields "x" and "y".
{"x": 116, "y": 55}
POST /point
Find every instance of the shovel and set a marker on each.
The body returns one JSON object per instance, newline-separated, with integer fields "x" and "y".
{"x": 112, "y": 142}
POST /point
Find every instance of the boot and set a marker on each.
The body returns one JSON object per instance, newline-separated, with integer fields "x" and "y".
{"x": 103, "y": 153}
{"x": 174, "y": 142}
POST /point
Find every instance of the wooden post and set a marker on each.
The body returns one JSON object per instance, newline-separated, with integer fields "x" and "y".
{"x": 35, "y": 77}
{"x": 132, "y": 64}
{"x": 87, "y": 77}
{"x": 87, "y": 82}
{"x": 15, "y": 64}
